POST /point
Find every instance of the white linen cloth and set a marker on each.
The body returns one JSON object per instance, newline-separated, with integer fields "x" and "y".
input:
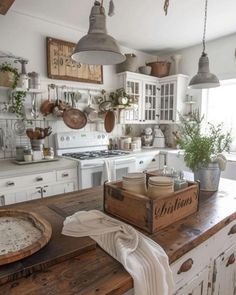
{"x": 109, "y": 170}
{"x": 144, "y": 259}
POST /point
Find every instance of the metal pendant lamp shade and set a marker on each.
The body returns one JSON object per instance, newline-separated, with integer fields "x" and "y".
{"x": 97, "y": 47}
{"x": 204, "y": 79}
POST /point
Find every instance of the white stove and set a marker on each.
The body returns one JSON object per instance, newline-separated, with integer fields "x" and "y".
{"x": 96, "y": 163}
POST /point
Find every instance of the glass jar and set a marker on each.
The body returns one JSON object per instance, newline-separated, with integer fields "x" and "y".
{"x": 28, "y": 155}
{"x": 20, "y": 152}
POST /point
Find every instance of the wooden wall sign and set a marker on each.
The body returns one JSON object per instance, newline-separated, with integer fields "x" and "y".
{"x": 5, "y": 6}
{"x": 61, "y": 66}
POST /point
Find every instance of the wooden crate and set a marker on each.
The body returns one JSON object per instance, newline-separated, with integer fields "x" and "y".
{"x": 148, "y": 214}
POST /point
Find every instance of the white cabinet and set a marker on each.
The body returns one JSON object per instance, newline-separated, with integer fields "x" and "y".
{"x": 176, "y": 160}
{"x": 210, "y": 268}
{"x": 35, "y": 186}
{"x": 197, "y": 286}
{"x": 224, "y": 279}
{"x": 147, "y": 162}
{"x": 143, "y": 91}
{"x": 172, "y": 97}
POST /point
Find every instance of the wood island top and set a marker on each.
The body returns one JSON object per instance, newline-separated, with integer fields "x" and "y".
{"x": 95, "y": 272}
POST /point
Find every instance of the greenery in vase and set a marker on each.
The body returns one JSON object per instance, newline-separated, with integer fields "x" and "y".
{"x": 6, "y": 67}
{"x": 202, "y": 148}
{"x": 18, "y": 97}
{"x": 117, "y": 94}
{"x": 17, "y": 107}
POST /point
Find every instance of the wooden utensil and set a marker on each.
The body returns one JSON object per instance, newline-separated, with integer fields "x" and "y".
{"x": 109, "y": 121}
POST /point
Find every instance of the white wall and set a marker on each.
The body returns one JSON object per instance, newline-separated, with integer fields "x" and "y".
{"x": 25, "y": 36}
{"x": 221, "y": 53}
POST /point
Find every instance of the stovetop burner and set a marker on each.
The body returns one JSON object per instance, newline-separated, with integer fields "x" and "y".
{"x": 95, "y": 154}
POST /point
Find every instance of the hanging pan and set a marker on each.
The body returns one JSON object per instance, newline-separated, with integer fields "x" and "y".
{"x": 74, "y": 118}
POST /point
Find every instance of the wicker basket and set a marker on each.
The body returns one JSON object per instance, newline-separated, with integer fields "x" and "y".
{"x": 6, "y": 79}
{"x": 160, "y": 68}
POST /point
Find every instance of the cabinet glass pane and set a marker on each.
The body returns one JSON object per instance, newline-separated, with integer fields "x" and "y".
{"x": 167, "y": 89}
{"x": 162, "y": 102}
{"x": 136, "y": 88}
{"x": 166, "y": 103}
{"x": 162, "y": 90}
{"x": 171, "y": 115}
{"x": 171, "y": 102}
{"x": 171, "y": 89}
{"x": 166, "y": 115}
{"x": 162, "y": 115}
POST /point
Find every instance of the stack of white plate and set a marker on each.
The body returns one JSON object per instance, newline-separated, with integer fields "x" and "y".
{"x": 135, "y": 182}
{"x": 160, "y": 186}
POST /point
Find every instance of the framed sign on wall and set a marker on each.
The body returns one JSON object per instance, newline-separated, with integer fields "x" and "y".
{"x": 61, "y": 66}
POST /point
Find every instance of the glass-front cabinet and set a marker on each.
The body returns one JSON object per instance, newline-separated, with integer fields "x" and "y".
{"x": 143, "y": 91}
{"x": 172, "y": 97}
{"x": 167, "y": 107}
{"x": 154, "y": 100}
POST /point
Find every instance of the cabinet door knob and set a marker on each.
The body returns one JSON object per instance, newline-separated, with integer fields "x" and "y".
{"x": 232, "y": 231}
{"x": 231, "y": 260}
{"x": 39, "y": 178}
{"x": 10, "y": 183}
{"x": 141, "y": 162}
{"x": 65, "y": 174}
{"x": 186, "y": 266}
{"x": 153, "y": 160}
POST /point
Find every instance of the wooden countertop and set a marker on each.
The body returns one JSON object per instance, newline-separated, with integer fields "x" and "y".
{"x": 95, "y": 272}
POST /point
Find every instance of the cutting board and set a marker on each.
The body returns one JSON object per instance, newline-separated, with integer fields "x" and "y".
{"x": 60, "y": 248}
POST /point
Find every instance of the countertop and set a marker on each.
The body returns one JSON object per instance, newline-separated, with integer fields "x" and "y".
{"x": 9, "y": 168}
{"x": 95, "y": 272}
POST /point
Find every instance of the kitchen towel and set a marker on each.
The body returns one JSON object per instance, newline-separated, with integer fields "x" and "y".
{"x": 109, "y": 170}
{"x": 144, "y": 259}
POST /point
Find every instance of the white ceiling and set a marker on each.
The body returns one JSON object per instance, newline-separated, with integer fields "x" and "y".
{"x": 141, "y": 24}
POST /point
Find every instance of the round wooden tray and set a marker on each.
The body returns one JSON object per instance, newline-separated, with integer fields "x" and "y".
{"x": 44, "y": 232}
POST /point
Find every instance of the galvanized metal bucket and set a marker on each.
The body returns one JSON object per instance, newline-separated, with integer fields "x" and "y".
{"x": 209, "y": 177}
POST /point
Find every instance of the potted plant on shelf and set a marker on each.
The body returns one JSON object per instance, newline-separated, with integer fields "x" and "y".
{"x": 9, "y": 77}
{"x": 120, "y": 99}
{"x": 202, "y": 150}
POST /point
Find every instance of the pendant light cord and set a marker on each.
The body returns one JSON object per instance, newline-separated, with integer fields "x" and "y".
{"x": 204, "y": 31}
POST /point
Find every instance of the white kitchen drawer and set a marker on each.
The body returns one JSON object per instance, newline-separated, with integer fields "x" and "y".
{"x": 27, "y": 180}
{"x": 66, "y": 174}
{"x": 226, "y": 236}
{"x": 196, "y": 259}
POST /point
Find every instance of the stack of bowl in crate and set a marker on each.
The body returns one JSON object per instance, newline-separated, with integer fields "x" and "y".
{"x": 135, "y": 182}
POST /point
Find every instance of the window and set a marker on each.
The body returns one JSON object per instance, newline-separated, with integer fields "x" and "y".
{"x": 219, "y": 105}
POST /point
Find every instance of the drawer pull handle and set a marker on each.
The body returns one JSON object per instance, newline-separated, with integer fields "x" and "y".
{"x": 65, "y": 174}
{"x": 39, "y": 178}
{"x": 141, "y": 162}
{"x": 186, "y": 266}
{"x": 10, "y": 183}
{"x": 231, "y": 260}
{"x": 232, "y": 230}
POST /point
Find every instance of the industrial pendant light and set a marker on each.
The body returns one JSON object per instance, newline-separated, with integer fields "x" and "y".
{"x": 204, "y": 79}
{"x": 97, "y": 47}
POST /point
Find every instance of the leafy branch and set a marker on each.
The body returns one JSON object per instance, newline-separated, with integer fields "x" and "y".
{"x": 202, "y": 148}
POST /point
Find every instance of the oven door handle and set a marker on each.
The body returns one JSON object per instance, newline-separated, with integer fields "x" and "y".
{"x": 91, "y": 165}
